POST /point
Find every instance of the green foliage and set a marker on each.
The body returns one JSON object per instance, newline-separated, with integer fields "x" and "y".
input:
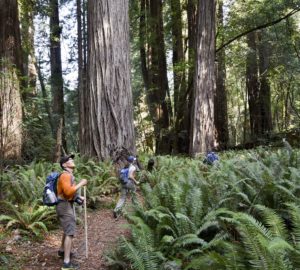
{"x": 101, "y": 179}
{"x": 240, "y": 214}
{"x": 30, "y": 219}
{"x": 25, "y": 183}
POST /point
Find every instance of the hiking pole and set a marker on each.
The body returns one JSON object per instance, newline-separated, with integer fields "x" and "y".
{"x": 85, "y": 223}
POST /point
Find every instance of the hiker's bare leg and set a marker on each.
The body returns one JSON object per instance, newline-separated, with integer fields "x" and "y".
{"x": 67, "y": 247}
{"x": 62, "y": 243}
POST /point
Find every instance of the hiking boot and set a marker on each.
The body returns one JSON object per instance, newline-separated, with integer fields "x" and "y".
{"x": 69, "y": 266}
{"x": 61, "y": 254}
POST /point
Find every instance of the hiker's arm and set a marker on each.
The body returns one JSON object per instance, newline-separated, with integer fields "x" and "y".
{"x": 82, "y": 183}
{"x": 132, "y": 176}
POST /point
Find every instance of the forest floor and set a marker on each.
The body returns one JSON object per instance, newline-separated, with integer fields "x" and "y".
{"x": 103, "y": 234}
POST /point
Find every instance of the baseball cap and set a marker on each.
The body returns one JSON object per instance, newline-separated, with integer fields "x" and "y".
{"x": 64, "y": 159}
{"x": 131, "y": 158}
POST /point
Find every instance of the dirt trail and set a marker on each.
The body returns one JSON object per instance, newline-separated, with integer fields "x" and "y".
{"x": 103, "y": 233}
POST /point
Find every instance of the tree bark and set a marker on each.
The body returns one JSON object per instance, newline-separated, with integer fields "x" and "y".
{"x": 45, "y": 98}
{"x": 10, "y": 67}
{"x": 202, "y": 125}
{"x": 180, "y": 86}
{"x": 56, "y": 77}
{"x": 82, "y": 91}
{"x": 29, "y": 60}
{"x": 184, "y": 136}
{"x": 178, "y": 53}
{"x": 265, "y": 89}
{"x": 220, "y": 102}
{"x": 154, "y": 69}
{"x": 110, "y": 122}
{"x": 252, "y": 85}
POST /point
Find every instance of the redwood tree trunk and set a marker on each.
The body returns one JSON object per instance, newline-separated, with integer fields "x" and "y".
{"x": 253, "y": 85}
{"x": 265, "y": 90}
{"x": 29, "y": 60}
{"x": 202, "y": 125}
{"x": 82, "y": 91}
{"x": 154, "y": 69}
{"x": 220, "y": 102}
{"x": 184, "y": 139}
{"x": 110, "y": 121}
{"x": 10, "y": 67}
{"x": 56, "y": 79}
{"x": 180, "y": 86}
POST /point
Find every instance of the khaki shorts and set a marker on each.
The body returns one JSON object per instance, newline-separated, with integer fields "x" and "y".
{"x": 66, "y": 217}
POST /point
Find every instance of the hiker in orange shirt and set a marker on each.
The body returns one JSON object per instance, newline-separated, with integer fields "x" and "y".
{"x": 66, "y": 193}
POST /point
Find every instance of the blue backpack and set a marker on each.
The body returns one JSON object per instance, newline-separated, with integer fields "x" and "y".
{"x": 50, "y": 189}
{"x": 211, "y": 158}
{"x": 123, "y": 176}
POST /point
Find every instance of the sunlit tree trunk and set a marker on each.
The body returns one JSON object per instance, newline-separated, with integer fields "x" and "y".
{"x": 56, "y": 80}
{"x": 110, "y": 120}
{"x": 202, "y": 125}
{"x": 220, "y": 102}
{"x": 10, "y": 67}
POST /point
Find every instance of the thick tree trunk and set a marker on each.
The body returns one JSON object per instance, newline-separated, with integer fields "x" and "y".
{"x": 252, "y": 86}
{"x": 220, "y": 102}
{"x": 202, "y": 126}
{"x": 110, "y": 97}
{"x": 265, "y": 90}
{"x": 10, "y": 67}
{"x": 56, "y": 77}
{"x": 154, "y": 69}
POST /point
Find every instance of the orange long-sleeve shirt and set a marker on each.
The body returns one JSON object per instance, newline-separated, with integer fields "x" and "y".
{"x": 65, "y": 186}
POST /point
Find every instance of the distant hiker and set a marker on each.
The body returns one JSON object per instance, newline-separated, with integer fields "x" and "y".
{"x": 66, "y": 193}
{"x": 211, "y": 158}
{"x": 128, "y": 182}
{"x": 150, "y": 165}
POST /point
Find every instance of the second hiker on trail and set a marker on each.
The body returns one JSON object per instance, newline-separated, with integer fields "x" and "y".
{"x": 128, "y": 182}
{"x": 67, "y": 195}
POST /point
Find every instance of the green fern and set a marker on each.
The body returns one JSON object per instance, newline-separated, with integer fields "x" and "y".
{"x": 29, "y": 219}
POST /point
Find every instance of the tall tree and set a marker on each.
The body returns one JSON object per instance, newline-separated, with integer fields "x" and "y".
{"x": 27, "y": 35}
{"x": 56, "y": 79}
{"x": 180, "y": 86}
{"x": 202, "y": 125}
{"x": 220, "y": 101}
{"x": 252, "y": 84}
{"x": 10, "y": 67}
{"x": 258, "y": 88}
{"x": 184, "y": 135}
{"x": 82, "y": 91}
{"x": 154, "y": 69}
{"x": 264, "y": 52}
{"x": 110, "y": 121}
